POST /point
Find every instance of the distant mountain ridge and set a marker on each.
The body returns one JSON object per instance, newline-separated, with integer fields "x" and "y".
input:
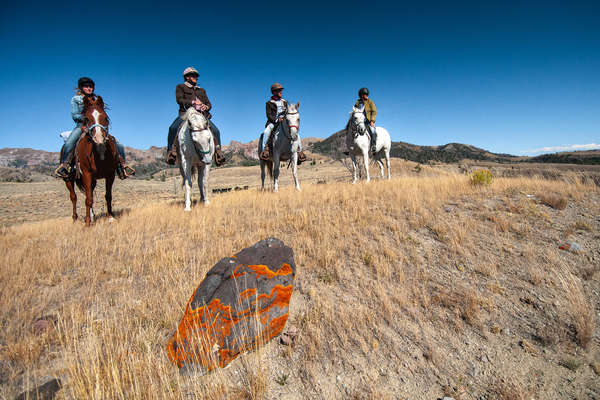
{"x": 26, "y": 164}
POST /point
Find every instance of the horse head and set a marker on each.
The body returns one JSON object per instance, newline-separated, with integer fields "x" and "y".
{"x": 293, "y": 119}
{"x": 200, "y": 133}
{"x": 97, "y": 122}
{"x": 358, "y": 121}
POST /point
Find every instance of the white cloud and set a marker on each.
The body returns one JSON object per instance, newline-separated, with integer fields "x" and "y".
{"x": 569, "y": 147}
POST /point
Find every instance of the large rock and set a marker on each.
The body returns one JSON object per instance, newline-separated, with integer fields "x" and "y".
{"x": 242, "y": 302}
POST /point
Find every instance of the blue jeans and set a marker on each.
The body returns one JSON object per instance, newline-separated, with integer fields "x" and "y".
{"x": 70, "y": 143}
{"x": 120, "y": 149}
{"x": 175, "y": 127}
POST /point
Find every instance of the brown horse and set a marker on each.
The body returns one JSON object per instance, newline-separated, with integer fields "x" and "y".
{"x": 95, "y": 158}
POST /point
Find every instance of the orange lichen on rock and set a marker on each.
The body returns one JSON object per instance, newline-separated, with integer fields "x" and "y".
{"x": 239, "y": 306}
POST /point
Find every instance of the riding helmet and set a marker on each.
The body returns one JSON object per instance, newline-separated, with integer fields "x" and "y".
{"x": 85, "y": 81}
{"x": 276, "y": 86}
{"x": 190, "y": 71}
{"x": 363, "y": 91}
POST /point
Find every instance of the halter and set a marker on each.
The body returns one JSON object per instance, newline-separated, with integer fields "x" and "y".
{"x": 105, "y": 128}
{"x": 355, "y": 125}
{"x": 293, "y": 126}
{"x": 194, "y": 143}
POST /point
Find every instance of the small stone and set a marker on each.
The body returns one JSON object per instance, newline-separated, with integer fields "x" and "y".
{"x": 47, "y": 391}
{"x": 448, "y": 398}
{"x": 507, "y": 332}
{"x": 484, "y": 359}
{"x": 41, "y": 326}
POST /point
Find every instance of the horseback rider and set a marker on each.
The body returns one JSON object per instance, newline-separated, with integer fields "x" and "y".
{"x": 85, "y": 88}
{"x": 370, "y": 111}
{"x": 276, "y": 109}
{"x": 187, "y": 95}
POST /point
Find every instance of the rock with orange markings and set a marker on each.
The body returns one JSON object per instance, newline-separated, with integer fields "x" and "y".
{"x": 242, "y": 303}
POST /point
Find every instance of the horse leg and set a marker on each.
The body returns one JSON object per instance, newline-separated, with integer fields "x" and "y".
{"x": 276, "y": 163}
{"x": 89, "y": 196}
{"x": 353, "y": 158}
{"x": 187, "y": 182}
{"x": 108, "y": 197}
{"x": 366, "y": 160}
{"x": 387, "y": 163}
{"x": 203, "y": 183}
{"x": 380, "y": 163}
{"x": 262, "y": 175}
{"x": 73, "y": 196}
{"x": 295, "y": 170}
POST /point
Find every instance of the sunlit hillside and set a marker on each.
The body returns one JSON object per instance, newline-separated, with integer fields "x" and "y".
{"x": 414, "y": 288}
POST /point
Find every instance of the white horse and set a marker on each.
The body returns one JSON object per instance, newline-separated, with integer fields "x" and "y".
{"x": 196, "y": 149}
{"x": 358, "y": 139}
{"x": 285, "y": 147}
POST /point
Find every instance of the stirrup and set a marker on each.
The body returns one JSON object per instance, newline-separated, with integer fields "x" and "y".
{"x": 128, "y": 170}
{"x": 265, "y": 155}
{"x": 220, "y": 158}
{"x": 58, "y": 172}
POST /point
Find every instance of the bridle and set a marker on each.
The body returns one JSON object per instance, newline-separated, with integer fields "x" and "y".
{"x": 200, "y": 151}
{"x": 356, "y": 125}
{"x": 293, "y": 126}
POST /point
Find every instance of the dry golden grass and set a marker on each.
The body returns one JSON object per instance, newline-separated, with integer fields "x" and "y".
{"x": 390, "y": 285}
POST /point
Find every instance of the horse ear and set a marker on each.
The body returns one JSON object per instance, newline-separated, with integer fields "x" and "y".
{"x": 297, "y": 106}
{"x": 100, "y": 101}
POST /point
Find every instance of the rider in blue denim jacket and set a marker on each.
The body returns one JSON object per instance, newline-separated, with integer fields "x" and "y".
{"x": 85, "y": 87}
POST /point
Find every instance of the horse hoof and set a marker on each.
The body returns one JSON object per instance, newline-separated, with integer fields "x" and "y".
{"x": 187, "y": 210}
{"x": 111, "y": 220}
{"x": 298, "y": 189}
{"x": 206, "y": 202}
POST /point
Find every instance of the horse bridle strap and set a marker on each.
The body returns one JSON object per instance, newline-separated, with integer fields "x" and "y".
{"x": 97, "y": 125}
{"x": 293, "y": 126}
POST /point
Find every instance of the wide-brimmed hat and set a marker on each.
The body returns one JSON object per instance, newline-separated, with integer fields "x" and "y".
{"x": 276, "y": 86}
{"x": 190, "y": 71}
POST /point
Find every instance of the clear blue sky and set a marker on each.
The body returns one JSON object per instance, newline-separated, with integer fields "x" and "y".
{"x": 507, "y": 77}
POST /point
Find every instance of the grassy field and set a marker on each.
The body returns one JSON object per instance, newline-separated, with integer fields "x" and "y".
{"x": 412, "y": 288}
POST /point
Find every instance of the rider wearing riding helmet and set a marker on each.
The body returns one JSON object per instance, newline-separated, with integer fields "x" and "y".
{"x": 276, "y": 109}
{"x": 187, "y": 95}
{"x": 85, "y": 87}
{"x": 370, "y": 112}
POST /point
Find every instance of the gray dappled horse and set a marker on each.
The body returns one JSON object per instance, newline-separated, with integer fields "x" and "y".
{"x": 285, "y": 147}
{"x": 196, "y": 149}
{"x": 358, "y": 140}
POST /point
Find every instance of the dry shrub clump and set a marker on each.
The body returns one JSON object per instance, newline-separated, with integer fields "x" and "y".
{"x": 578, "y": 308}
{"x": 554, "y": 200}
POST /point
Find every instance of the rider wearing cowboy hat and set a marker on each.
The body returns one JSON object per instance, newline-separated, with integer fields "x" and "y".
{"x": 276, "y": 108}
{"x": 187, "y": 95}
{"x": 85, "y": 87}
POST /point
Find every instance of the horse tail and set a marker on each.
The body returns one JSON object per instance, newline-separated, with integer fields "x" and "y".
{"x": 79, "y": 184}
{"x": 269, "y": 165}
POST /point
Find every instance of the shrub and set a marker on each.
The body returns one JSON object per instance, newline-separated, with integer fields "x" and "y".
{"x": 553, "y": 200}
{"x": 481, "y": 177}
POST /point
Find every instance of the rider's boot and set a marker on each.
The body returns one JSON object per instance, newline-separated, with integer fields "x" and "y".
{"x": 172, "y": 155}
{"x": 63, "y": 171}
{"x": 301, "y": 157}
{"x": 219, "y": 157}
{"x": 265, "y": 155}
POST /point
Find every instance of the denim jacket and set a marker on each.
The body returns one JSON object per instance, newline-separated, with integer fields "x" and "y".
{"x": 77, "y": 109}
